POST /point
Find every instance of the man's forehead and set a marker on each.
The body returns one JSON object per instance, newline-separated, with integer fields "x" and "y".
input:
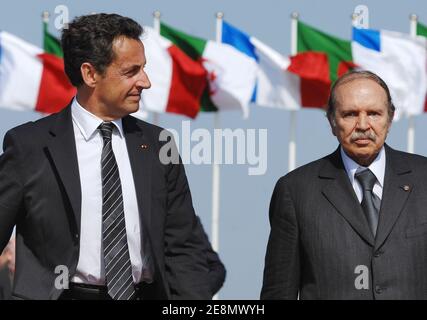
{"x": 360, "y": 88}
{"x": 359, "y": 82}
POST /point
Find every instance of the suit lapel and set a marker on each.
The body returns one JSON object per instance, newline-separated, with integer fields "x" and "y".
{"x": 62, "y": 149}
{"x": 395, "y": 194}
{"x": 339, "y": 192}
{"x": 141, "y": 157}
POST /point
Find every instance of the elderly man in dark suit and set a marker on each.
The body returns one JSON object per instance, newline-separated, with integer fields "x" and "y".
{"x": 352, "y": 225}
{"x": 98, "y": 214}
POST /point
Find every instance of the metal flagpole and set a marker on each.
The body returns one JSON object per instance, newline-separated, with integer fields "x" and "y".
{"x": 156, "y": 25}
{"x": 45, "y": 16}
{"x": 215, "y": 166}
{"x": 292, "y": 148}
{"x": 45, "y": 20}
{"x": 411, "y": 120}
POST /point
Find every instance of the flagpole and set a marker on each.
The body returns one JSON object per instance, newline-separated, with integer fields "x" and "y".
{"x": 354, "y": 22}
{"x": 45, "y": 16}
{"x": 292, "y": 148}
{"x": 215, "y": 166}
{"x": 156, "y": 26}
{"x": 411, "y": 120}
{"x": 45, "y": 21}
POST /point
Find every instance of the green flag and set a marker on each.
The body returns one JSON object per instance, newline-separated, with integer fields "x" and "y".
{"x": 421, "y": 30}
{"x": 194, "y": 48}
{"x": 50, "y": 43}
{"x": 337, "y": 50}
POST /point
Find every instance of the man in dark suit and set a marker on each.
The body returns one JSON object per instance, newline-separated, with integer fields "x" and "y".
{"x": 98, "y": 214}
{"x": 352, "y": 225}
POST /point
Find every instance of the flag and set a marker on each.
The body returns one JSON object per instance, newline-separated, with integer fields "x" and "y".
{"x": 422, "y": 31}
{"x": 31, "y": 79}
{"x": 63, "y": 90}
{"x": 50, "y": 43}
{"x": 338, "y": 51}
{"x": 177, "y": 82}
{"x": 400, "y": 60}
{"x": 281, "y": 81}
{"x": 230, "y": 73}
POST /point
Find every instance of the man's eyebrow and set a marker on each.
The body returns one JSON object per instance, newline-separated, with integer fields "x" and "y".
{"x": 131, "y": 67}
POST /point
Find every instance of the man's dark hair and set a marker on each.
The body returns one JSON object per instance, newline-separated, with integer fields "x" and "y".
{"x": 355, "y": 75}
{"x": 90, "y": 39}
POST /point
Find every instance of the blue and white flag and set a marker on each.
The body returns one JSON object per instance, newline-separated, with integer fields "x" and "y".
{"x": 275, "y": 87}
{"x": 400, "y": 60}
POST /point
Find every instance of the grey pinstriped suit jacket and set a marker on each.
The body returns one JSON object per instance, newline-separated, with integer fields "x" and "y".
{"x": 319, "y": 234}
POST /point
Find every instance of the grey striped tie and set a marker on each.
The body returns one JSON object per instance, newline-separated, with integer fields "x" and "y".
{"x": 371, "y": 203}
{"x": 118, "y": 268}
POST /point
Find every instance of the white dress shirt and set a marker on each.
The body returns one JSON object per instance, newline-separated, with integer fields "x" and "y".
{"x": 89, "y": 143}
{"x": 377, "y": 167}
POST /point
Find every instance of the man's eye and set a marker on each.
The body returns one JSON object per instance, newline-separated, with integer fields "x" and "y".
{"x": 131, "y": 72}
{"x": 349, "y": 114}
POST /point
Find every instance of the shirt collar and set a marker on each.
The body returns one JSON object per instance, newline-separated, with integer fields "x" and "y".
{"x": 377, "y": 166}
{"x": 88, "y": 123}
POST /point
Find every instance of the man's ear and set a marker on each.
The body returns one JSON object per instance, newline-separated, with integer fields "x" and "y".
{"x": 89, "y": 74}
{"x": 333, "y": 125}
{"x": 392, "y": 115}
{"x": 390, "y": 121}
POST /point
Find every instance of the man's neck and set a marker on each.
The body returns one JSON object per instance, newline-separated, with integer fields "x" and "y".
{"x": 88, "y": 101}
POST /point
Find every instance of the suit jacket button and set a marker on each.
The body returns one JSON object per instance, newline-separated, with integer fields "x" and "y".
{"x": 378, "y": 289}
{"x": 378, "y": 253}
{"x": 76, "y": 235}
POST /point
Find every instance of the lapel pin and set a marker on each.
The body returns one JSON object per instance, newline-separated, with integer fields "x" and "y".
{"x": 406, "y": 187}
{"x": 144, "y": 146}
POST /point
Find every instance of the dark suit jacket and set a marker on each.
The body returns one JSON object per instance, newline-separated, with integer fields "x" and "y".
{"x": 319, "y": 234}
{"x": 217, "y": 270}
{"x": 5, "y": 284}
{"x": 40, "y": 192}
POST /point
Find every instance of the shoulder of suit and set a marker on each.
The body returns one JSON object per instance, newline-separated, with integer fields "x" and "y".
{"x": 146, "y": 125}
{"x": 153, "y": 132}
{"x": 409, "y": 159}
{"x": 406, "y": 155}
{"x": 46, "y": 123}
{"x": 34, "y": 128}
{"x": 29, "y": 136}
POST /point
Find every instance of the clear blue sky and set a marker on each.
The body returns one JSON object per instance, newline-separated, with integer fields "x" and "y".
{"x": 245, "y": 199}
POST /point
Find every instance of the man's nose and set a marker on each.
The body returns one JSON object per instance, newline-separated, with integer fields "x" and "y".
{"x": 363, "y": 122}
{"x": 143, "y": 82}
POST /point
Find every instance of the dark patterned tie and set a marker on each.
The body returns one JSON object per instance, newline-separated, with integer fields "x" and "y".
{"x": 118, "y": 268}
{"x": 371, "y": 202}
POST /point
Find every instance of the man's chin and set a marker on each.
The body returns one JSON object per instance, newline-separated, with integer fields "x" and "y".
{"x": 364, "y": 157}
{"x": 132, "y": 107}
